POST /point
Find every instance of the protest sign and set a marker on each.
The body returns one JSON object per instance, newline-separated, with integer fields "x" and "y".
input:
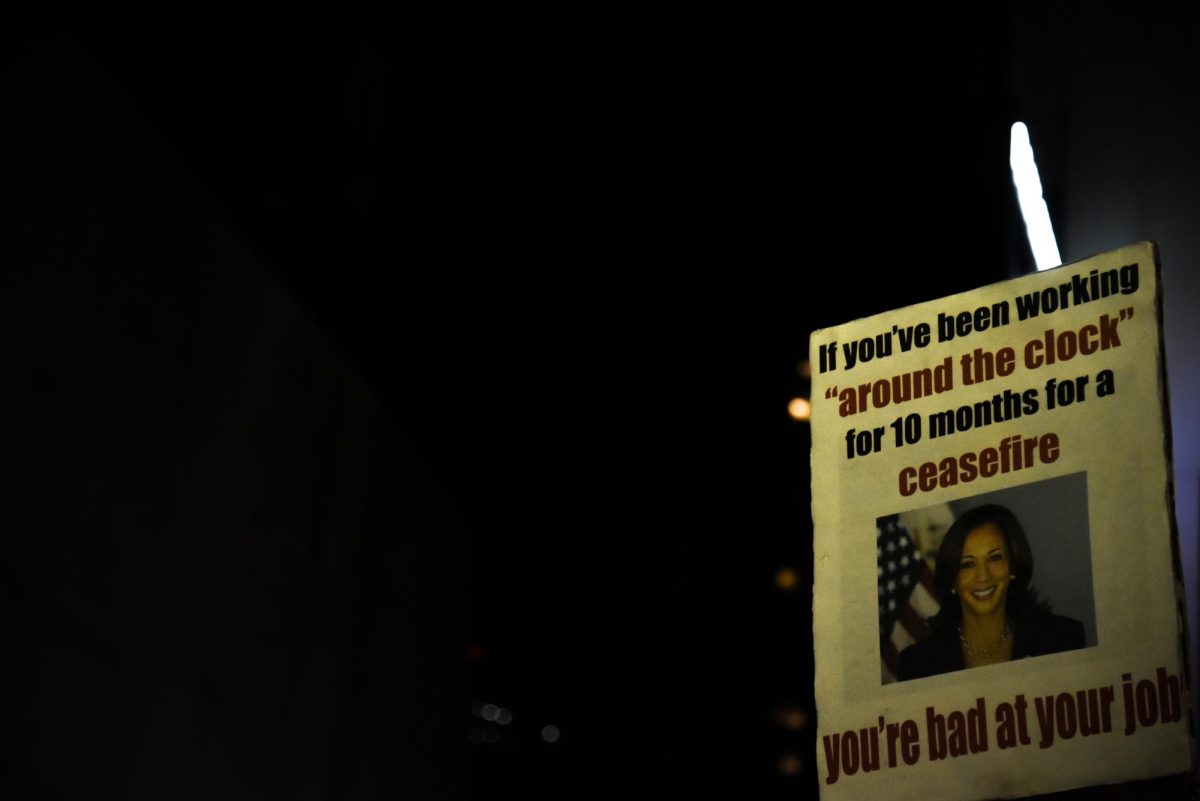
{"x": 998, "y": 461}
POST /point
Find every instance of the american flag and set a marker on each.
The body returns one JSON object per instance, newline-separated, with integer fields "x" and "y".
{"x": 906, "y": 596}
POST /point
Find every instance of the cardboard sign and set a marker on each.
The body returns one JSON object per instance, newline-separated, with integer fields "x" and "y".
{"x": 998, "y": 602}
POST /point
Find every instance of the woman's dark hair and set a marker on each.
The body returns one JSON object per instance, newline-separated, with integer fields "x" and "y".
{"x": 1022, "y": 601}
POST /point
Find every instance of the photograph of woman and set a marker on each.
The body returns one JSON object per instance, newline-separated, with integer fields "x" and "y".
{"x": 989, "y": 611}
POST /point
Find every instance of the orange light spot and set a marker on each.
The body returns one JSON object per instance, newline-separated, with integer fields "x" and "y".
{"x": 791, "y": 717}
{"x": 791, "y": 765}
{"x": 786, "y": 579}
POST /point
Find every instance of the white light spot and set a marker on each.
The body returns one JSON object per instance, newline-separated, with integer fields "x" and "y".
{"x": 550, "y": 733}
{"x": 1029, "y": 195}
{"x": 488, "y": 712}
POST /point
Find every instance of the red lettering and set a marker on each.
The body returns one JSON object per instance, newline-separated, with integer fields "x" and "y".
{"x": 1012, "y": 454}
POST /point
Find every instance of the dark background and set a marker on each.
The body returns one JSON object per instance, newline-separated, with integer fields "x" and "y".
{"x": 363, "y": 369}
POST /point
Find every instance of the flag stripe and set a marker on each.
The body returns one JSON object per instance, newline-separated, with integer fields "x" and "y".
{"x": 906, "y": 596}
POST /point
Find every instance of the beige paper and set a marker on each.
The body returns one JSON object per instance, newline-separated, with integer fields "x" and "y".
{"x": 1044, "y": 395}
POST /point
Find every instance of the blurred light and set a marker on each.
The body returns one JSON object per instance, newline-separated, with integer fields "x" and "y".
{"x": 491, "y": 734}
{"x": 800, "y": 408}
{"x": 474, "y": 650}
{"x": 804, "y": 368}
{"x": 1029, "y": 195}
{"x": 786, "y": 579}
{"x": 503, "y": 716}
{"x": 790, "y": 764}
{"x": 550, "y": 733}
{"x": 791, "y": 717}
{"x": 488, "y": 712}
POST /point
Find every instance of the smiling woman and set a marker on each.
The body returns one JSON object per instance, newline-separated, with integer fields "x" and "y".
{"x": 989, "y": 612}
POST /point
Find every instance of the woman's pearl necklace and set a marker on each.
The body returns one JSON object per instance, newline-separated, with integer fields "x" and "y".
{"x": 986, "y": 653}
